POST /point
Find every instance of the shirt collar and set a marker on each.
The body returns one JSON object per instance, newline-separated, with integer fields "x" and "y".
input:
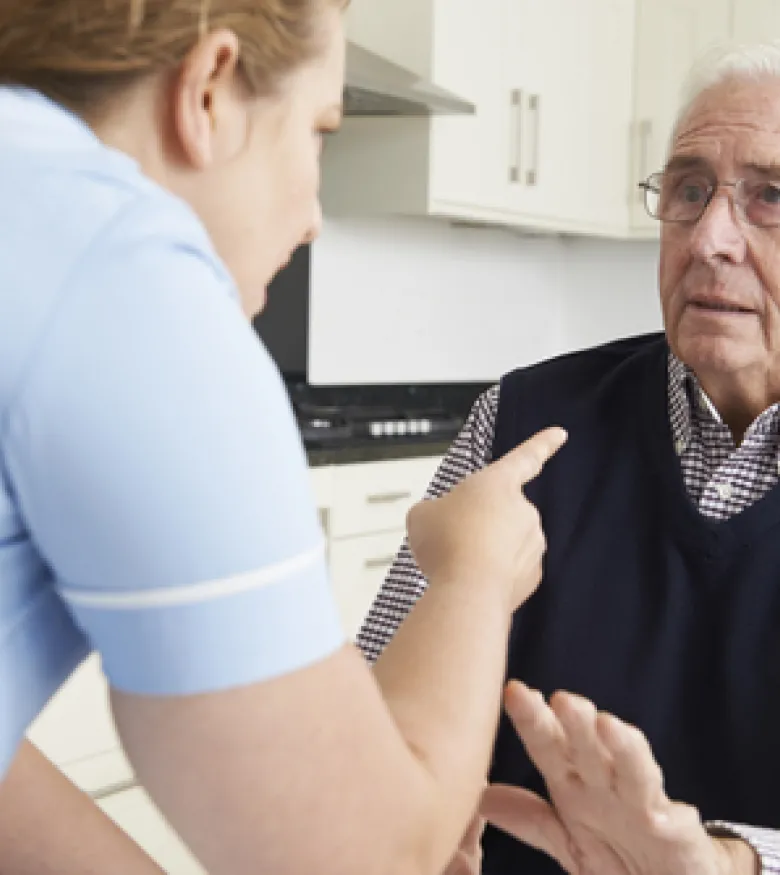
{"x": 27, "y": 115}
{"x": 687, "y": 399}
{"x": 680, "y": 407}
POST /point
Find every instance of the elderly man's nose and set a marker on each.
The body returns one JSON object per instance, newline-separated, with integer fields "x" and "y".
{"x": 718, "y": 233}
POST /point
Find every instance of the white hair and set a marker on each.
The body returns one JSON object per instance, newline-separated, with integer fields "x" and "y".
{"x": 726, "y": 62}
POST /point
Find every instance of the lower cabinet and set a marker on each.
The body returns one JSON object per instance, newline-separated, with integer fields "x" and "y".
{"x": 358, "y": 567}
{"x": 76, "y": 730}
{"x": 134, "y": 812}
{"x": 365, "y": 526}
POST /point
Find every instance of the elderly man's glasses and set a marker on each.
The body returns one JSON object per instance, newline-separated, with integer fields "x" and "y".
{"x": 683, "y": 196}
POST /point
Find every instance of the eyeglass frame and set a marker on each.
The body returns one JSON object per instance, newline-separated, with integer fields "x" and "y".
{"x": 738, "y": 200}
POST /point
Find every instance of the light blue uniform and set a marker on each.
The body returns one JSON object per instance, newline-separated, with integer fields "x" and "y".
{"x": 154, "y": 497}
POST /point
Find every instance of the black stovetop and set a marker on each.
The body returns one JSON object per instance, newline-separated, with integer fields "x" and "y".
{"x": 361, "y": 416}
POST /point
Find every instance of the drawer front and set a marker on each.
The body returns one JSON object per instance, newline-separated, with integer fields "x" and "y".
{"x": 321, "y": 481}
{"x": 358, "y": 568}
{"x": 133, "y": 812}
{"x": 376, "y": 496}
{"x": 77, "y": 722}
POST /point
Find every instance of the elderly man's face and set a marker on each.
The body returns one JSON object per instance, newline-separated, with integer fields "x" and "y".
{"x": 720, "y": 278}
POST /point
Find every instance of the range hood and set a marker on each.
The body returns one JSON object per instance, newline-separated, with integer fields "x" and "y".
{"x": 378, "y": 87}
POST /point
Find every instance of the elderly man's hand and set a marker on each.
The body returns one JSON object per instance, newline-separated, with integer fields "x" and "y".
{"x": 609, "y": 813}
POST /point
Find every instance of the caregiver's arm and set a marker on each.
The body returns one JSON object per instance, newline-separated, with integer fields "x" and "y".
{"x": 313, "y": 771}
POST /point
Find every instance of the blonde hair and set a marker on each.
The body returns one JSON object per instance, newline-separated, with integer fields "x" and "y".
{"x": 82, "y": 52}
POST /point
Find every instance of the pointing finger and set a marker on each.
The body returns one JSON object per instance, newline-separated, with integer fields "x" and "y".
{"x": 526, "y": 461}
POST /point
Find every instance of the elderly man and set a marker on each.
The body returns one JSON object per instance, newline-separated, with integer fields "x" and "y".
{"x": 661, "y": 596}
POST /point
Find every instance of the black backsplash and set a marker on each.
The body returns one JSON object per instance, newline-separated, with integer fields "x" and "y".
{"x": 284, "y": 323}
{"x": 430, "y": 399}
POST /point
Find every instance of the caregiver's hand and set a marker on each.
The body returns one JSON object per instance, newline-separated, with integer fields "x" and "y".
{"x": 485, "y": 529}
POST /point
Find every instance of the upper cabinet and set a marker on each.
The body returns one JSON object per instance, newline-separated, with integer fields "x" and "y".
{"x": 568, "y": 71}
{"x": 576, "y": 100}
{"x": 467, "y": 159}
{"x": 756, "y": 20}
{"x": 400, "y": 30}
{"x": 671, "y": 35}
{"x": 547, "y": 147}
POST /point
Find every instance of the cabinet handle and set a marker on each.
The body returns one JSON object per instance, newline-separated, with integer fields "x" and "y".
{"x": 535, "y": 106}
{"x": 516, "y": 137}
{"x": 645, "y": 138}
{"x": 113, "y": 789}
{"x": 384, "y": 562}
{"x": 389, "y": 498}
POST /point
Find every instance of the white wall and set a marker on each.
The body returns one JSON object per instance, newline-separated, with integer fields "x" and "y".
{"x": 407, "y": 300}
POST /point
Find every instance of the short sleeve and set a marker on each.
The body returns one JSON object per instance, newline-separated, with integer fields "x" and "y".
{"x": 156, "y": 460}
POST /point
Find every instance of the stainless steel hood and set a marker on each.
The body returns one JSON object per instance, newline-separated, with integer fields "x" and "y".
{"x": 376, "y": 86}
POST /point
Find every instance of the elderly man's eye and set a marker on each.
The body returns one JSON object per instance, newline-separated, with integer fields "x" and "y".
{"x": 769, "y": 194}
{"x": 692, "y": 193}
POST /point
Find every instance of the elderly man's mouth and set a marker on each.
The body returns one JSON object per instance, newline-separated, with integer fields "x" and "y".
{"x": 718, "y": 307}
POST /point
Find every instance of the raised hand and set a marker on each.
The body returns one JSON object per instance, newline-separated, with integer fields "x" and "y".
{"x": 609, "y": 813}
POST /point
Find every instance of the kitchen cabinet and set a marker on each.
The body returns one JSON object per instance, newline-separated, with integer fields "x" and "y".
{"x": 468, "y": 157}
{"x": 401, "y": 32}
{"x": 366, "y": 525}
{"x": 372, "y": 497}
{"x": 569, "y": 75}
{"x": 445, "y": 166}
{"x": 358, "y": 567}
{"x": 670, "y": 36}
{"x": 756, "y": 20}
{"x": 548, "y": 145}
{"x": 576, "y": 101}
{"x": 133, "y": 811}
{"x": 76, "y": 731}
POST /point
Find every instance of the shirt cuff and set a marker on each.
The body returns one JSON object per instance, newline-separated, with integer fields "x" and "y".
{"x": 765, "y": 842}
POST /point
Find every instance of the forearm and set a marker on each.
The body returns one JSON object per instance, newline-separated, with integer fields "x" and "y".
{"x": 48, "y": 826}
{"x": 442, "y": 676}
{"x": 300, "y": 774}
{"x": 400, "y": 757}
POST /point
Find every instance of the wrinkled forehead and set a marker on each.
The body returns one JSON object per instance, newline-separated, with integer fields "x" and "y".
{"x": 732, "y": 127}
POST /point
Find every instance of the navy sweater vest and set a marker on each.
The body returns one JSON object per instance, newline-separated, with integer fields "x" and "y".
{"x": 667, "y": 619}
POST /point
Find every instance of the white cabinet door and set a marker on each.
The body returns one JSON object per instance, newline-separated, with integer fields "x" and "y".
{"x": 756, "y": 21}
{"x": 76, "y": 727}
{"x": 600, "y": 89}
{"x": 133, "y": 811}
{"x": 569, "y": 64}
{"x": 376, "y": 496}
{"x": 670, "y": 36}
{"x": 358, "y": 567}
{"x": 400, "y": 31}
{"x": 471, "y": 155}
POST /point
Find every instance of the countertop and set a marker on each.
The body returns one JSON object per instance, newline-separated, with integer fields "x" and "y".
{"x": 373, "y": 452}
